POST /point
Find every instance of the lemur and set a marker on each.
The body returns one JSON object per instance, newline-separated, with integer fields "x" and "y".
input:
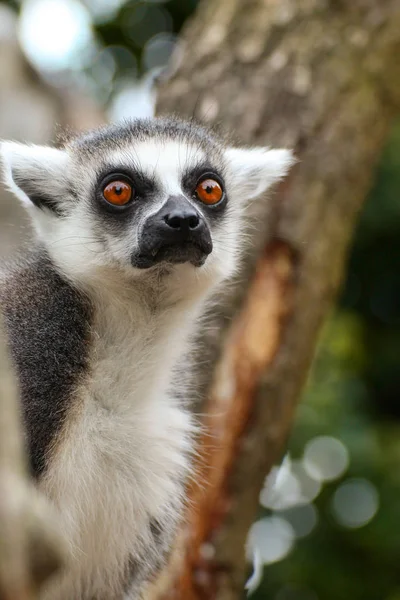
{"x": 136, "y": 225}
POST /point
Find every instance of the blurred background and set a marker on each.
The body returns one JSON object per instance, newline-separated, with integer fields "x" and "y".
{"x": 329, "y": 516}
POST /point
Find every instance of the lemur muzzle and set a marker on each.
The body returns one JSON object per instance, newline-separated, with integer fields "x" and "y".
{"x": 177, "y": 233}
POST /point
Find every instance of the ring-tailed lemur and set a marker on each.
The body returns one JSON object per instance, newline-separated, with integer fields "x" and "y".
{"x": 136, "y": 224}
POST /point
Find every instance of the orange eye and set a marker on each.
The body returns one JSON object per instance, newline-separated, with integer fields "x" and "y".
{"x": 118, "y": 193}
{"x": 209, "y": 191}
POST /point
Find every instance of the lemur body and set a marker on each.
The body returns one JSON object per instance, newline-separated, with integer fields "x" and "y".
{"x": 100, "y": 314}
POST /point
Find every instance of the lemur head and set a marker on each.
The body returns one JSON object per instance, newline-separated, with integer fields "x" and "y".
{"x": 143, "y": 197}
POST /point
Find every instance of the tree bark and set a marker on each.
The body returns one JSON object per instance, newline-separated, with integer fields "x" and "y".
{"x": 322, "y": 77}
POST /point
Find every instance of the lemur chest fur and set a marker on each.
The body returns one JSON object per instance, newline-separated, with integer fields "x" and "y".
{"x": 118, "y": 475}
{"x": 115, "y": 461}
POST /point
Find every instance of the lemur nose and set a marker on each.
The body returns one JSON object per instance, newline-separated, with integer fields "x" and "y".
{"x": 177, "y": 233}
{"x": 182, "y": 220}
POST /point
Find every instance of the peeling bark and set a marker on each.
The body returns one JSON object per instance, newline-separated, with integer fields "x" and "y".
{"x": 322, "y": 77}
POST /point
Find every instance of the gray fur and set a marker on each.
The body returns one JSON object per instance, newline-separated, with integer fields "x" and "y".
{"x": 48, "y": 324}
{"x": 119, "y": 135}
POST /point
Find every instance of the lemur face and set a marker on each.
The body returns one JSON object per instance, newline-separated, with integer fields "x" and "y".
{"x": 158, "y": 201}
{"x": 141, "y": 196}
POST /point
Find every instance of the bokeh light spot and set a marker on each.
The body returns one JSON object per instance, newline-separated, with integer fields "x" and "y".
{"x": 325, "y": 458}
{"x": 302, "y": 518}
{"x": 310, "y": 487}
{"x": 272, "y": 538}
{"x": 158, "y": 50}
{"x": 104, "y": 68}
{"x": 355, "y": 503}
{"x": 55, "y": 33}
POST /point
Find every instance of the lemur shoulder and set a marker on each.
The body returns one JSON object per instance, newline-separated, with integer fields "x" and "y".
{"x": 136, "y": 225}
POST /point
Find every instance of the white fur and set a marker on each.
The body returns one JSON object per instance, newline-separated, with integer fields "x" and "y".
{"x": 254, "y": 170}
{"x": 46, "y": 167}
{"x": 125, "y": 452}
{"x": 165, "y": 159}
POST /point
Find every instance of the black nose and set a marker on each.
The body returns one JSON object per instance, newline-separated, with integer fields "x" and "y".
{"x": 178, "y": 221}
{"x": 182, "y": 219}
{"x": 176, "y": 233}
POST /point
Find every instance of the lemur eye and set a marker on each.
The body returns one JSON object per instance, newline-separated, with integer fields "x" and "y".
{"x": 209, "y": 191}
{"x": 118, "y": 193}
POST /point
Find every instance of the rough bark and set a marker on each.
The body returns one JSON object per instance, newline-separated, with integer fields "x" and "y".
{"x": 322, "y": 77}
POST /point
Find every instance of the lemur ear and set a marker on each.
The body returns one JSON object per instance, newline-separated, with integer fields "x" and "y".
{"x": 35, "y": 174}
{"x": 253, "y": 170}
